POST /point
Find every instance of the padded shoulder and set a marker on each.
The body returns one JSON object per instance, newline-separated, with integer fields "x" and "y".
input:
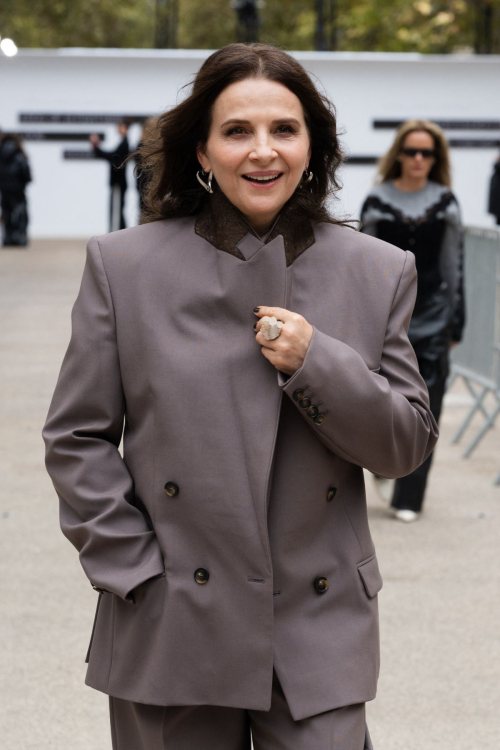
{"x": 359, "y": 246}
{"x": 145, "y": 236}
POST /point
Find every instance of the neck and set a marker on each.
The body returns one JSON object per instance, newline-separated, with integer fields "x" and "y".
{"x": 261, "y": 224}
{"x": 410, "y": 184}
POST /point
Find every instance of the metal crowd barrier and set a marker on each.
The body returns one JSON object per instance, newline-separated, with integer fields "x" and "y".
{"x": 477, "y": 358}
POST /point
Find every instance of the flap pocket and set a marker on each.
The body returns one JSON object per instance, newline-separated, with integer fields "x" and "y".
{"x": 370, "y": 575}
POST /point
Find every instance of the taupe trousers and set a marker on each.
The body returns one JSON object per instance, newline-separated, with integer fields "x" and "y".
{"x": 135, "y": 726}
{"x": 232, "y": 538}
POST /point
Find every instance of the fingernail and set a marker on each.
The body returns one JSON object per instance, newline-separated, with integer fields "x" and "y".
{"x": 256, "y": 309}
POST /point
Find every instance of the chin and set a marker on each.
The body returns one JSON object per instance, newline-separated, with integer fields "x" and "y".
{"x": 266, "y": 204}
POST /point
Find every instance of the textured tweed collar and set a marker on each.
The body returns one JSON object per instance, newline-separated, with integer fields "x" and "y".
{"x": 223, "y": 225}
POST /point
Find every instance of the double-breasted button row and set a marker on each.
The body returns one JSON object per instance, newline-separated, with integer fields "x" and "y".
{"x": 311, "y": 409}
{"x": 201, "y": 576}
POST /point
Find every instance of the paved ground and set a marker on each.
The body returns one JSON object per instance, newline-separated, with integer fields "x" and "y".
{"x": 440, "y": 613}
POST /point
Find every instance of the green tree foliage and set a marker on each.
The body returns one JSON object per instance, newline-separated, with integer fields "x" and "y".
{"x": 78, "y": 23}
{"x": 289, "y": 24}
{"x": 400, "y": 26}
{"x": 427, "y": 26}
{"x": 205, "y": 24}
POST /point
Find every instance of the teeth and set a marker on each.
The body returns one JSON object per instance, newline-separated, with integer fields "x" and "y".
{"x": 262, "y": 179}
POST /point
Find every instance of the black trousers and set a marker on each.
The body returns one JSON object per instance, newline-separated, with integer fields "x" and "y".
{"x": 14, "y": 219}
{"x": 409, "y": 491}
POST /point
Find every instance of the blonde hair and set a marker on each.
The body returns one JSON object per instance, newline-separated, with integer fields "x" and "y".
{"x": 389, "y": 168}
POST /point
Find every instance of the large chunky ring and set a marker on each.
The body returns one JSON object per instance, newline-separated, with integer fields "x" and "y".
{"x": 270, "y": 327}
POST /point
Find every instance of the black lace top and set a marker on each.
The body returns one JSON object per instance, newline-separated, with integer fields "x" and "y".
{"x": 426, "y": 222}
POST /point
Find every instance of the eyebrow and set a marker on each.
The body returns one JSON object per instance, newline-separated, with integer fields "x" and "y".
{"x": 281, "y": 121}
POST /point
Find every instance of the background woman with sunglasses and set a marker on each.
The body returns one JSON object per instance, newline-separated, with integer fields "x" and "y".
{"x": 412, "y": 206}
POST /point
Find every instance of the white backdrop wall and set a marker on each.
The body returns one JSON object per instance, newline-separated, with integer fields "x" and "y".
{"x": 70, "y": 198}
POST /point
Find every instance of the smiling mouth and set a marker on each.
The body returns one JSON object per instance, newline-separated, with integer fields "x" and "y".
{"x": 267, "y": 178}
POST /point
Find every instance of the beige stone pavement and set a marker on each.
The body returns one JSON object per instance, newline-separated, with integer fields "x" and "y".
{"x": 440, "y": 612}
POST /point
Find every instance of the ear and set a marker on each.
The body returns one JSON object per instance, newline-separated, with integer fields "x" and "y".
{"x": 202, "y": 157}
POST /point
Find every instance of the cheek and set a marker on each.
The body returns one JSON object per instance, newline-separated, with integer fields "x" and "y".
{"x": 227, "y": 158}
{"x": 295, "y": 156}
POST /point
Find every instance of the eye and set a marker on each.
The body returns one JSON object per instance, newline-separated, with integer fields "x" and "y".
{"x": 286, "y": 129}
{"x": 237, "y": 130}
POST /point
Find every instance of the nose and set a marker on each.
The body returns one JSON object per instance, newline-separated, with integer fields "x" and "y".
{"x": 262, "y": 149}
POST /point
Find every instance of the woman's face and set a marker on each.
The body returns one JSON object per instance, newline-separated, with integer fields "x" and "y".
{"x": 419, "y": 165}
{"x": 257, "y": 131}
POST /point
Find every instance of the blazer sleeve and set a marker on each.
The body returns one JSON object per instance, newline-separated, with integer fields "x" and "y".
{"x": 118, "y": 550}
{"x": 380, "y": 420}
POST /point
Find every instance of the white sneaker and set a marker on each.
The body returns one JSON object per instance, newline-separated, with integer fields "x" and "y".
{"x": 384, "y": 487}
{"x": 407, "y": 516}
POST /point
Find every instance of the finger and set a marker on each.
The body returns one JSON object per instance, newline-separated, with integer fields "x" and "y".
{"x": 268, "y": 353}
{"x": 279, "y": 312}
{"x": 264, "y": 342}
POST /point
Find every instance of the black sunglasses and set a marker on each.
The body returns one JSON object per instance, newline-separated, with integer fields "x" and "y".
{"x": 427, "y": 153}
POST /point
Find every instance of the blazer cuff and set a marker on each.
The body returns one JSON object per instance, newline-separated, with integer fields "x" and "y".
{"x": 302, "y": 384}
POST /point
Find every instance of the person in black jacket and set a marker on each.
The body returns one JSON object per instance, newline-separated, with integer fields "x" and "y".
{"x": 117, "y": 175}
{"x": 15, "y": 174}
{"x": 494, "y": 194}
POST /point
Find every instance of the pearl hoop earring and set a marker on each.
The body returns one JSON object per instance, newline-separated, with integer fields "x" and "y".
{"x": 207, "y": 185}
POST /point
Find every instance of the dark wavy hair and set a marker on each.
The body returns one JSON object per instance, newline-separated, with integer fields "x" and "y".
{"x": 167, "y": 156}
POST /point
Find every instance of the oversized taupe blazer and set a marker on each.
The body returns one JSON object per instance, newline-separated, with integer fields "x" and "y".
{"x": 239, "y": 487}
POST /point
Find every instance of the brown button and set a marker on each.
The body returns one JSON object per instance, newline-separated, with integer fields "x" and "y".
{"x": 312, "y": 411}
{"x": 321, "y": 584}
{"x": 201, "y": 575}
{"x": 171, "y": 489}
{"x": 297, "y": 395}
{"x": 319, "y": 419}
{"x": 305, "y": 403}
{"x": 332, "y": 491}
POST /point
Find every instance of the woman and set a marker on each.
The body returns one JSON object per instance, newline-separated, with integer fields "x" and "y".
{"x": 414, "y": 208}
{"x": 14, "y": 176}
{"x": 238, "y": 579}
